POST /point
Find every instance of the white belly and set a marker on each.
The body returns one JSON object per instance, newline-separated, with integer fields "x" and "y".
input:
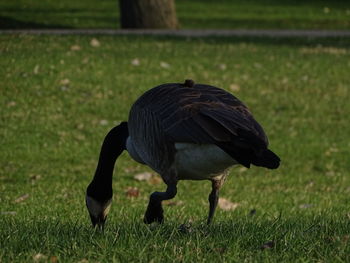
{"x": 200, "y": 162}
{"x": 192, "y": 161}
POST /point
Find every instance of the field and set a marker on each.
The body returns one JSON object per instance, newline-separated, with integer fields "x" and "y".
{"x": 267, "y": 14}
{"x": 61, "y": 95}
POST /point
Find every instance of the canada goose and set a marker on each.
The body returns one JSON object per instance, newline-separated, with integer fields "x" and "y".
{"x": 182, "y": 131}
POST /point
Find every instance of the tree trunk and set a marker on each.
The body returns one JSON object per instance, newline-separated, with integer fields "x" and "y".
{"x": 148, "y": 14}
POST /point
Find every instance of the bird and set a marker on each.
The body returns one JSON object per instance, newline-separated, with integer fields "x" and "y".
{"x": 183, "y": 131}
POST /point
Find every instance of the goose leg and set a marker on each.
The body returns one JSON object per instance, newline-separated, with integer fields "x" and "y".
{"x": 154, "y": 212}
{"x": 213, "y": 199}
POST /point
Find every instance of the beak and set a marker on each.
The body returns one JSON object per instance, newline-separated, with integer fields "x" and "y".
{"x": 99, "y": 221}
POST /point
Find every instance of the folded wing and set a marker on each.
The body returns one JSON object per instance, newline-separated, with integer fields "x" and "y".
{"x": 204, "y": 114}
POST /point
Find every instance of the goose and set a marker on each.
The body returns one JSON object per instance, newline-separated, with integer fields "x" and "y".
{"x": 183, "y": 131}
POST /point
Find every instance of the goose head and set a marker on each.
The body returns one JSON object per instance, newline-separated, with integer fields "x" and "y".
{"x": 98, "y": 210}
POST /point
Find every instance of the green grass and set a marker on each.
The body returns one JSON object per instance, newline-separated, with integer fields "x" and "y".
{"x": 58, "y": 104}
{"x": 248, "y": 14}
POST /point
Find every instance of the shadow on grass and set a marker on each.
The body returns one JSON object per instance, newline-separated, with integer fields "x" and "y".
{"x": 251, "y": 23}
{"x": 11, "y": 23}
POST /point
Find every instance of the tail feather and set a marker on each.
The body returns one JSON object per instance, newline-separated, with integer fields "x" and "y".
{"x": 267, "y": 159}
{"x": 246, "y": 155}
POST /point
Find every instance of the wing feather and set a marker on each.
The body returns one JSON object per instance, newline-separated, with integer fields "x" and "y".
{"x": 204, "y": 114}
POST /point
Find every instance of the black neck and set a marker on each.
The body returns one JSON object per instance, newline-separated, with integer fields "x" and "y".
{"x": 113, "y": 145}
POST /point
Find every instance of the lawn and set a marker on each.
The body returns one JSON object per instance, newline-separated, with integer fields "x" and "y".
{"x": 247, "y": 14}
{"x": 61, "y": 95}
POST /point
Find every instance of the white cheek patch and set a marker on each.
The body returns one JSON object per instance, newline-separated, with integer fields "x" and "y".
{"x": 107, "y": 208}
{"x": 96, "y": 208}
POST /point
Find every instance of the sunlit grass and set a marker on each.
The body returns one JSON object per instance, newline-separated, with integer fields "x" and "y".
{"x": 61, "y": 95}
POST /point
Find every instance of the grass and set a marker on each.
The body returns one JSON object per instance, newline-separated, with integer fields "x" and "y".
{"x": 61, "y": 95}
{"x": 251, "y": 14}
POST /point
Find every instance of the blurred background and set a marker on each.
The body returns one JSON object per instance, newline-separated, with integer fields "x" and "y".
{"x": 200, "y": 14}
